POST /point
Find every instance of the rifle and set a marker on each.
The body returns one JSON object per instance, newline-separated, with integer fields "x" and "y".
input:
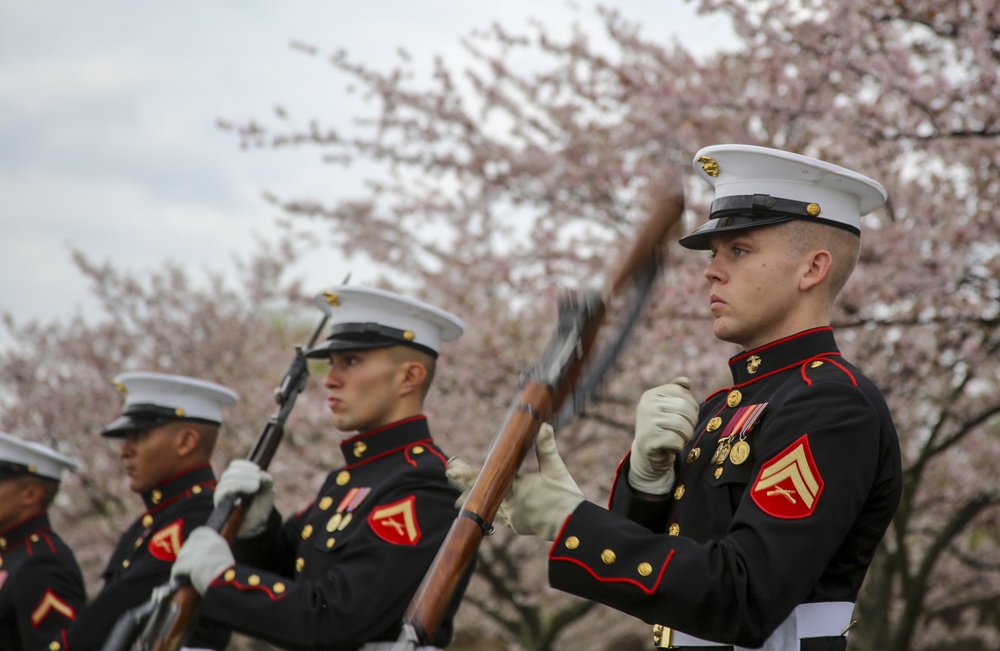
{"x": 559, "y": 385}
{"x": 167, "y": 618}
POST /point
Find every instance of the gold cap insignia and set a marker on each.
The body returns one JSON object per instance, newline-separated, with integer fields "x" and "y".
{"x": 331, "y": 299}
{"x": 409, "y": 335}
{"x": 120, "y": 387}
{"x": 179, "y": 412}
{"x": 709, "y": 165}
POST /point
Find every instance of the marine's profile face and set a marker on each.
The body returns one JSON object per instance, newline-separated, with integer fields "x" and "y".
{"x": 11, "y": 497}
{"x": 150, "y": 456}
{"x": 364, "y": 388}
{"x": 754, "y": 286}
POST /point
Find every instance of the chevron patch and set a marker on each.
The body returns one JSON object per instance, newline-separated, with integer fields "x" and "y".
{"x": 789, "y": 485}
{"x": 165, "y": 543}
{"x": 50, "y": 602}
{"x": 396, "y": 523}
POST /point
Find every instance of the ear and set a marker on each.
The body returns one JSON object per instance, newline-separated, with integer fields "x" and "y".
{"x": 31, "y": 494}
{"x": 816, "y": 268}
{"x": 412, "y": 375}
{"x": 186, "y": 441}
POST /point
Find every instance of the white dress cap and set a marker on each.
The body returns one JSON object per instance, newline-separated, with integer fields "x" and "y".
{"x": 364, "y": 317}
{"x": 20, "y": 457}
{"x": 757, "y": 186}
{"x": 154, "y": 399}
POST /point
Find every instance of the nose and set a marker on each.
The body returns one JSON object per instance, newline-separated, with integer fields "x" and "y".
{"x": 713, "y": 272}
{"x": 128, "y": 447}
{"x": 332, "y": 379}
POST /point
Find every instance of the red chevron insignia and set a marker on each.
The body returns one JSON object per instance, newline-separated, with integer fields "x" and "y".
{"x": 789, "y": 485}
{"x": 165, "y": 543}
{"x": 49, "y": 603}
{"x": 396, "y": 523}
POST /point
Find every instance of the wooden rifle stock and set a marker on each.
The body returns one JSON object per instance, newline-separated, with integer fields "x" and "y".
{"x": 542, "y": 393}
{"x": 170, "y": 620}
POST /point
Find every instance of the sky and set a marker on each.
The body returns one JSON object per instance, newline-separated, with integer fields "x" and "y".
{"x": 108, "y": 121}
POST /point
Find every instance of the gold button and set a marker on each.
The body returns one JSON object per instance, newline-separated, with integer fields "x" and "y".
{"x": 147, "y": 520}
{"x": 34, "y": 537}
{"x": 816, "y": 364}
{"x": 3, "y": 543}
{"x": 125, "y": 563}
{"x": 418, "y": 449}
{"x": 253, "y": 579}
{"x": 279, "y": 588}
{"x": 694, "y": 454}
{"x": 299, "y": 564}
{"x": 229, "y": 575}
{"x": 55, "y": 646}
{"x": 156, "y": 496}
{"x": 307, "y": 531}
{"x": 608, "y": 557}
{"x": 679, "y": 492}
{"x": 675, "y": 529}
{"x": 343, "y": 477}
{"x": 812, "y": 209}
{"x": 714, "y": 424}
{"x": 734, "y": 398}
{"x": 196, "y": 490}
{"x": 325, "y": 503}
{"x": 572, "y": 542}
{"x": 645, "y": 569}
{"x": 718, "y": 472}
{"x": 330, "y": 543}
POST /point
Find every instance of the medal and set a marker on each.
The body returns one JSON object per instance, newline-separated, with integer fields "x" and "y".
{"x": 721, "y": 452}
{"x": 740, "y": 452}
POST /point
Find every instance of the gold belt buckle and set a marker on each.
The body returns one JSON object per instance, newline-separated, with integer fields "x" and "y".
{"x": 663, "y": 637}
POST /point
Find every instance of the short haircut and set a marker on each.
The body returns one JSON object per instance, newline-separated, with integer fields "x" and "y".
{"x": 49, "y": 487}
{"x": 400, "y": 354}
{"x": 844, "y": 248}
{"x": 208, "y": 433}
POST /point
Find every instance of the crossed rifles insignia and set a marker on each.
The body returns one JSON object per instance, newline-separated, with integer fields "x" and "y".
{"x": 789, "y": 485}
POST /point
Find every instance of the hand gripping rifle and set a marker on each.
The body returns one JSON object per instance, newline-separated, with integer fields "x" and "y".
{"x": 167, "y": 619}
{"x": 554, "y": 390}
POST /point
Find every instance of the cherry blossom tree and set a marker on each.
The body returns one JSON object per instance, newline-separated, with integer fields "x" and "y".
{"x": 501, "y": 183}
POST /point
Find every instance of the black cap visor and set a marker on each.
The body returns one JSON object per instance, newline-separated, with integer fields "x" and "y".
{"x": 137, "y": 418}
{"x": 364, "y": 336}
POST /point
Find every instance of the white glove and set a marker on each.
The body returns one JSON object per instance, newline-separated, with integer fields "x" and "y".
{"x": 203, "y": 557}
{"x": 538, "y": 503}
{"x": 244, "y": 478}
{"x": 664, "y": 422}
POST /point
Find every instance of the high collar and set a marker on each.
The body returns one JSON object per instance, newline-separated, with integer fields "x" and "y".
{"x": 23, "y": 529}
{"x": 385, "y": 440}
{"x": 172, "y": 488}
{"x": 780, "y": 355}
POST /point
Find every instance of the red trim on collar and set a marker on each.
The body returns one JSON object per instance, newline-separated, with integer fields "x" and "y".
{"x": 405, "y": 446}
{"x": 358, "y": 437}
{"x": 797, "y": 335}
